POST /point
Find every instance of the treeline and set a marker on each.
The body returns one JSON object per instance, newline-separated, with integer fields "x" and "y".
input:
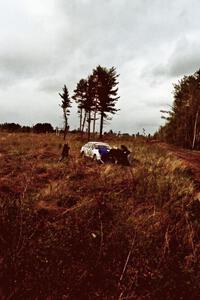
{"x": 95, "y": 96}
{"x": 37, "y": 128}
{"x": 182, "y": 126}
{"x": 48, "y": 128}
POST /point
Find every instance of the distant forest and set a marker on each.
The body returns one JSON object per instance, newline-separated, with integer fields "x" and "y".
{"x": 182, "y": 126}
{"x": 48, "y": 128}
{"x": 37, "y": 128}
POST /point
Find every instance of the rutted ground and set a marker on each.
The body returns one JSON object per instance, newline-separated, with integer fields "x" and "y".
{"x": 190, "y": 157}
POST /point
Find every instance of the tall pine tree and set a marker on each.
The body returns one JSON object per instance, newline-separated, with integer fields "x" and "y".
{"x": 105, "y": 92}
{"x": 80, "y": 96}
{"x": 84, "y": 95}
{"x": 66, "y": 104}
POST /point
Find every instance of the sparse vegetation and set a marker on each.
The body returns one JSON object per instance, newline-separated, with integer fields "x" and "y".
{"x": 79, "y": 230}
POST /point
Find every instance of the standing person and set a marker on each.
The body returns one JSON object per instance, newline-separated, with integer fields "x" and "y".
{"x": 125, "y": 150}
{"x": 125, "y": 155}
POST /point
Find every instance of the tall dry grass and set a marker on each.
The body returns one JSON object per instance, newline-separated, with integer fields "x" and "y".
{"x": 79, "y": 230}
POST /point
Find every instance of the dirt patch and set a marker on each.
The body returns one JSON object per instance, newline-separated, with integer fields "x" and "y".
{"x": 190, "y": 157}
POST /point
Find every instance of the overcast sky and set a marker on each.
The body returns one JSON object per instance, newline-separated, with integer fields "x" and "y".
{"x": 48, "y": 43}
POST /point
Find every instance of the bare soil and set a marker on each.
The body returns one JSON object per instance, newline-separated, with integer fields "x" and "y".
{"x": 190, "y": 157}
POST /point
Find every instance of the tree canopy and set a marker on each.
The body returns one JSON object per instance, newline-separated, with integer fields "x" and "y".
{"x": 182, "y": 122}
{"x": 106, "y": 92}
{"x": 96, "y": 95}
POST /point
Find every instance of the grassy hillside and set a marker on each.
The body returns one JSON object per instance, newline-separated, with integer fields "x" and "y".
{"x": 79, "y": 230}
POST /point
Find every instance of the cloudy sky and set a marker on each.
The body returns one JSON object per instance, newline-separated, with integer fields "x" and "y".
{"x": 48, "y": 43}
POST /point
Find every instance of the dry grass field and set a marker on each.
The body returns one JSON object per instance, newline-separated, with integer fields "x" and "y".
{"x": 79, "y": 230}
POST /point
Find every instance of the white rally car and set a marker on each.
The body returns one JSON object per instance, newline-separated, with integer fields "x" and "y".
{"x": 95, "y": 150}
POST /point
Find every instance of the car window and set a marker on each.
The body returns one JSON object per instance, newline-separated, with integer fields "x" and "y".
{"x": 101, "y": 147}
{"x": 88, "y": 145}
{"x": 92, "y": 146}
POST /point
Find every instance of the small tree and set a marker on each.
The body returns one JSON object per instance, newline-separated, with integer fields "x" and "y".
{"x": 66, "y": 104}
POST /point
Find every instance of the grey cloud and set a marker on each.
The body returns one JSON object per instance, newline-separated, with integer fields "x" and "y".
{"x": 185, "y": 63}
{"x": 184, "y": 60}
{"x": 156, "y": 104}
{"x": 51, "y": 85}
{"x": 149, "y": 42}
{"x": 22, "y": 64}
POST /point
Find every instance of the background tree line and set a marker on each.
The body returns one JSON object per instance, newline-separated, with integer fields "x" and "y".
{"x": 183, "y": 120}
{"x": 37, "y": 128}
{"x": 95, "y": 96}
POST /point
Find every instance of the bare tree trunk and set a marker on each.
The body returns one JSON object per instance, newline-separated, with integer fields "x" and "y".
{"x": 95, "y": 115}
{"x": 195, "y": 129}
{"x": 101, "y": 125}
{"x": 89, "y": 122}
{"x": 65, "y": 132}
{"x": 66, "y": 125}
{"x": 84, "y": 119}
{"x": 81, "y": 117}
{"x": 94, "y": 122}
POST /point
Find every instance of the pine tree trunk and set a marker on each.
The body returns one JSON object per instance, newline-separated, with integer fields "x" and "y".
{"x": 94, "y": 122}
{"x": 66, "y": 125}
{"x": 89, "y": 122}
{"x": 81, "y": 117}
{"x": 195, "y": 129}
{"x": 83, "y": 125}
{"x": 101, "y": 125}
{"x": 65, "y": 133}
